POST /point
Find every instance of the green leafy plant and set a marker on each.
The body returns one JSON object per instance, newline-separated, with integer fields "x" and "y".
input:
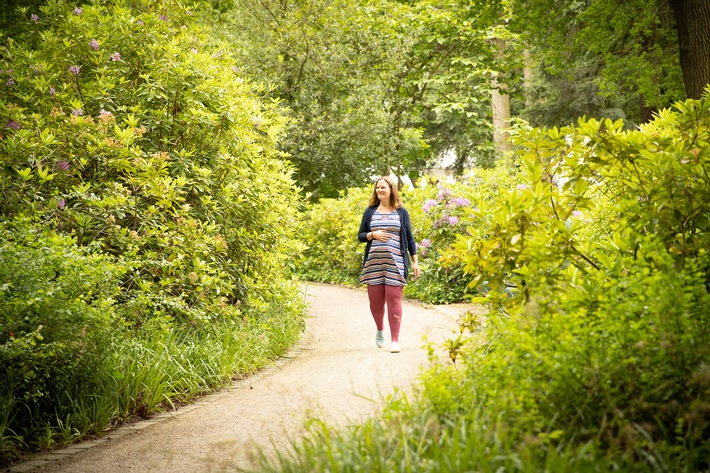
{"x": 604, "y": 242}
{"x": 131, "y": 139}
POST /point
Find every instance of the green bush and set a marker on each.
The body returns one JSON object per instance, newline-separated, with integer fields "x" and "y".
{"x": 125, "y": 128}
{"x": 439, "y": 211}
{"x": 56, "y": 320}
{"x": 130, "y": 137}
{"x": 605, "y": 336}
{"x": 332, "y": 251}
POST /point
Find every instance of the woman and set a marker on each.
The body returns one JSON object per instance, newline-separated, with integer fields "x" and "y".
{"x": 386, "y": 229}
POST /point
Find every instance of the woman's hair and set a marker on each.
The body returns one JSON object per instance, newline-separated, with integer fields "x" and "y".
{"x": 395, "y": 201}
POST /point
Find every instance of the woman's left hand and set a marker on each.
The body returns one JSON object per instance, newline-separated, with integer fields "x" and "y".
{"x": 415, "y": 269}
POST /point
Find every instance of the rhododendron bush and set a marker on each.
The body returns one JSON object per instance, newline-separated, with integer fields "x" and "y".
{"x": 598, "y": 268}
{"x": 123, "y": 128}
{"x": 125, "y": 133}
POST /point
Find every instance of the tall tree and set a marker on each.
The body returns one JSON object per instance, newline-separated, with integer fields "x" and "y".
{"x": 692, "y": 18}
{"x": 328, "y": 62}
{"x": 457, "y": 70}
{"x": 625, "y": 53}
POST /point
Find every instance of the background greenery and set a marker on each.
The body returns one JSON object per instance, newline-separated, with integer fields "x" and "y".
{"x": 593, "y": 355}
{"x": 167, "y": 168}
{"x": 145, "y": 168}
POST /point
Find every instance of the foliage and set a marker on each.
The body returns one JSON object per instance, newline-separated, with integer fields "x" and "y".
{"x": 123, "y": 129}
{"x": 438, "y": 212}
{"x": 602, "y": 59}
{"x": 329, "y": 63}
{"x": 597, "y": 359}
{"x": 605, "y": 336}
{"x": 463, "y": 51}
{"x": 333, "y": 253}
{"x": 166, "y": 213}
{"x": 57, "y": 313}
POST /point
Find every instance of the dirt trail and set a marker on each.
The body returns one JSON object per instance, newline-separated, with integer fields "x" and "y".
{"x": 335, "y": 373}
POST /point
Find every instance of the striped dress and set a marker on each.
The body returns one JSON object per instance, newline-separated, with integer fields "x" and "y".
{"x": 384, "y": 263}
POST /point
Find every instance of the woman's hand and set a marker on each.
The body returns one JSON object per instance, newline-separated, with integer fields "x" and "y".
{"x": 415, "y": 269}
{"x": 381, "y": 235}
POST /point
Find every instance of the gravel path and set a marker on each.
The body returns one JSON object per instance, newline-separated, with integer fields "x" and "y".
{"x": 335, "y": 373}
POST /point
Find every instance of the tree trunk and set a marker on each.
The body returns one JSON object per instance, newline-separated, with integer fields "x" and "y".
{"x": 692, "y": 19}
{"x": 527, "y": 77}
{"x": 500, "y": 103}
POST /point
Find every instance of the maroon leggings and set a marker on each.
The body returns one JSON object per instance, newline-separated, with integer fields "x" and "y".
{"x": 391, "y": 295}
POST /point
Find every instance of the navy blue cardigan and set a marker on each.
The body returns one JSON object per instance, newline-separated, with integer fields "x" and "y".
{"x": 406, "y": 238}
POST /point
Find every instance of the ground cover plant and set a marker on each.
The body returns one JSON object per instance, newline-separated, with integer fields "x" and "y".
{"x": 595, "y": 353}
{"x": 146, "y": 170}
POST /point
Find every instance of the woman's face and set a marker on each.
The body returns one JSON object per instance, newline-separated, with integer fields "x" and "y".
{"x": 383, "y": 191}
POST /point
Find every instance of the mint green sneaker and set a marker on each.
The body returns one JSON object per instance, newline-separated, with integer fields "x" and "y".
{"x": 380, "y": 338}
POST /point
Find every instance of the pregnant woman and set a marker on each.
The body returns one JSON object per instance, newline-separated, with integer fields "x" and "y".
{"x": 386, "y": 229}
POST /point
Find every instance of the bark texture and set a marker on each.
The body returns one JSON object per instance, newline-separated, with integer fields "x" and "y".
{"x": 693, "y": 24}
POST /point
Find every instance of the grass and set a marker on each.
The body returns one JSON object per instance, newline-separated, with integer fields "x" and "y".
{"x": 154, "y": 372}
{"x": 412, "y": 439}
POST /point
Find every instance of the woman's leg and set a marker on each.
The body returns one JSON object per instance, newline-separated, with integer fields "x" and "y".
{"x": 393, "y": 296}
{"x": 376, "y": 294}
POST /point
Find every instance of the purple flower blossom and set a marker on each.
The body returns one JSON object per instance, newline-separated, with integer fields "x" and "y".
{"x": 522, "y": 187}
{"x": 116, "y": 56}
{"x": 61, "y": 203}
{"x": 52, "y": 91}
{"x": 453, "y": 220}
{"x": 9, "y": 72}
{"x": 10, "y": 82}
{"x": 75, "y": 70}
{"x": 429, "y": 204}
{"x": 13, "y": 125}
{"x": 140, "y": 23}
{"x": 441, "y": 221}
{"x": 426, "y": 243}
{"x": 576, "y": 213}
{"x": 163, "y": 18}
{"x": 105, "y": 114}
{"x": 78, "y": 112}
{"x": 458, "y": 202}
{"x": 424, "y": 252}
{"x": 34, "y": 18}
{"x": 94, "y": 45}
{"x": 235, "y": 69}
{"x": 63, "y": 165}
{"x": 444, "y": 193}
{"x": 78, "y": 11}
{"x": 189, "y": 12}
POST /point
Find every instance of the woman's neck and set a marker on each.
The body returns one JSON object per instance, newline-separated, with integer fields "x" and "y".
{"x": 386, "y": 207}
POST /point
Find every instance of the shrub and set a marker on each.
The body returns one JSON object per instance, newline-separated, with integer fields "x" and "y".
{"x": 56, "y": 320}
{"x": 332, "y": 251}
{"x": 604, "y": 239}
{"x": 131, "y": 138}
{"x": 123, "y": 127}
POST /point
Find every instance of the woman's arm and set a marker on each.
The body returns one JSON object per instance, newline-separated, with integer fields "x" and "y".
{"x": 364, "y": 234}
{"x": 411, "y": 243}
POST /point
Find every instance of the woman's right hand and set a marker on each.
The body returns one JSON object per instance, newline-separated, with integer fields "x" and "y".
{"x": 381, "y": 235}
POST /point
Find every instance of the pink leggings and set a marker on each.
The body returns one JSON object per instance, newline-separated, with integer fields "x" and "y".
{"x": 391, "y": 295}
